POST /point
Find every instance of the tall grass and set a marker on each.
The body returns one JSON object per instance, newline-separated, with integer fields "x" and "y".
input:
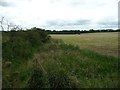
{"x": 55, "y": 64}
{"x": 81, "y": 68}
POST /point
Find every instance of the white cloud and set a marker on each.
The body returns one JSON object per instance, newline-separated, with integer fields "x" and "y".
{"x": 39, "y": 13}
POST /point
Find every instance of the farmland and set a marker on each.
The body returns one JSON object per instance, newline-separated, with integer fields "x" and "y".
{"x": 36, "y": 60}
{"x": 103, "y": 43}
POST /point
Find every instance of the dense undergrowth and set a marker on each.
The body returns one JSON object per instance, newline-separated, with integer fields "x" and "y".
{"x": 31, "y": 59}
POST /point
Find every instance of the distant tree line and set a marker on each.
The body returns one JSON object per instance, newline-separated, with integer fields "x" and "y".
{"x": 80, "y": 31}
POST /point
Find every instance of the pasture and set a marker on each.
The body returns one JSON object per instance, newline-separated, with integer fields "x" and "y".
{"x": 103, "y": 43}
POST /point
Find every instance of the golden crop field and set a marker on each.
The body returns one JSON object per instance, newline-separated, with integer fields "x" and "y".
{"x": 103, "y": 43}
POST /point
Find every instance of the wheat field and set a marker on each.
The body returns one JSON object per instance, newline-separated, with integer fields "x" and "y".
{"x": 103, "y": 43}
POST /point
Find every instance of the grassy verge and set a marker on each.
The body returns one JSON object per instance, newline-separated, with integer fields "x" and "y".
{"x": 71, "y": 67}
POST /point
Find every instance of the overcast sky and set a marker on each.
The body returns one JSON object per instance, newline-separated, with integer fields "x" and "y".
{"x": 61, "y": 14}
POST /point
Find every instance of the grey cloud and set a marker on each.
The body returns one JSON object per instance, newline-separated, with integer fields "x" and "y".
{"x": 80, "y": 23}
{"x": 85, "y": 3}
{"x": 109, "y": 26}
{"x": 77, "y": 2}
{"x": 29, "y": 0}
{"x": 4, "y": 4}
{"x": 67, "y": 23}
{"x": 54, "y": 1}
{"x": 83, "y": 22}
{"x": 8, "y": 3}
{"x": 105, "y": 24}
{"x": 108, "y": 23}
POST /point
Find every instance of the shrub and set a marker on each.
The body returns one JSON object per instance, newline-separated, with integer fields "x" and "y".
{"x": 16, "y": 48}
{"x": 38, "y": 80}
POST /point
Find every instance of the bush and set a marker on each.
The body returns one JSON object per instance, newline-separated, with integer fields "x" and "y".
{"x": 58, "y": 80}
{"x": 38, "y": 80}
{"x": 16, "y": 48}
{"x": 20, "y": 44}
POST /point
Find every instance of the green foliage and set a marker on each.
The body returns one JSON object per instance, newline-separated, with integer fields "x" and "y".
{"x": 60, "y": 79}
{"x": 38, "y": 79}
{"x": 68, "y": 66}
{"x": 20, "y": 44}
{"x": 16, "y": 48}
{"x": 54, "y": 64}
{"x": 34, "y": 38}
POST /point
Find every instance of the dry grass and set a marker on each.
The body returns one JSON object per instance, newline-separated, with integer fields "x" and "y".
{"x": 103, "y": 43}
